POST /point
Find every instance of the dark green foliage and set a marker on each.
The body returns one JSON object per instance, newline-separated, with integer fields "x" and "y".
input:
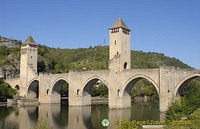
{"x": 144, "y": 88}
{"x": 4, "y": 51}
{"x": 64, "y": 90}
{"x": 41, "y": 66}
{"x": 192, "y": 122}
{"x": 63, "y": 60}
{"x": 99, "y": 90}
{"x": 141, "y": 59}
{"x": 6, "y": 91}
{"x": 56, "y": 60}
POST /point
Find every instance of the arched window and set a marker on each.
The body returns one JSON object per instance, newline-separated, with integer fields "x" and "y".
{"x": 17, "y": 87}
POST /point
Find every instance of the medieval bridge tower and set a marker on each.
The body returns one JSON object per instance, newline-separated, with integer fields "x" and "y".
{"x": 119, "y": 78}
{"x": 28, "y": 66}
{"x": 119, "y": 49}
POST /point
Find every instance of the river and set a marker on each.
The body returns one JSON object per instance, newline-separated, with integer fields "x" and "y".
{"x": 64, "y": 117}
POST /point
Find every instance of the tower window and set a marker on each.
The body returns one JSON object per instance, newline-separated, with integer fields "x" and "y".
{"x": 77, "y": 92}
{"x": 115, "y": 42}
{"x": 115, "y": 30}
{"x": 117, "y": 53}
{"x": 125, "y": 65}
{"x": 125, "y": 31}
{"x": 31, "y": 57}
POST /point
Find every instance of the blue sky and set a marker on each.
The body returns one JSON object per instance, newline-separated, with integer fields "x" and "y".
{"x": 171, "y": 27}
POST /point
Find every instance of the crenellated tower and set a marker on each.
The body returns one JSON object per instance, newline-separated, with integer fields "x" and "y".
{"x": 119, "y": 49}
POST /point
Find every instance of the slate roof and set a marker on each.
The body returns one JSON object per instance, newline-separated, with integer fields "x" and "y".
{"x": 30, "y": 40}
{"x": 119, "y": 24}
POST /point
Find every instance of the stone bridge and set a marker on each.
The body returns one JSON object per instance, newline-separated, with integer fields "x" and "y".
{"x": 167, "y": 82}
{"x": 120, "y": 78}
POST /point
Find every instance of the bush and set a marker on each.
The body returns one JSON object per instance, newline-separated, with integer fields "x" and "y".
{"x": 6, "y": 91}
{"x": 193, "y": 122}
{"x": 42, "y": 124}
{"x": 4, "y": 51}
{"x": 188, "y": 102}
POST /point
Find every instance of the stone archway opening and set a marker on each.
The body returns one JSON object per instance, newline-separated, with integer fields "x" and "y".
{"x": 188, "y": 87}
{"x": 187, "y": 97}
{"x": 141, "y": 90}
{"x": 33, "y": 90}
{"x": 142, "y": 96}
{"x": 60, "y": 92}
{"x": 95, "y": 92}
{"x": 17, "y": 88}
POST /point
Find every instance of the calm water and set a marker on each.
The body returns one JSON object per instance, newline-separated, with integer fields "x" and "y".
{"x": 64, "y": 117}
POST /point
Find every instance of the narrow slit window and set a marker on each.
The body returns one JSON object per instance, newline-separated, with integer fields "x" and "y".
{"x": 77, "y": 92}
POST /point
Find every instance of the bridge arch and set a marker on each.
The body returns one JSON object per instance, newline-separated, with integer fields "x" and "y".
{"x": 86, "y": 88}
{"x": 93, "y": 78}
{"x": 132, "y": 80}
{"x": 183, "y": 81}
{"x": 129, "y": 84}
{"x": 56, "y": 88}
{"x": 33, "y": 89}
{"x": 56, "y": 85}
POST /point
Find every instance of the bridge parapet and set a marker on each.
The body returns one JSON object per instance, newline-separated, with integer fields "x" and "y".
{"x": 91, "y": 71}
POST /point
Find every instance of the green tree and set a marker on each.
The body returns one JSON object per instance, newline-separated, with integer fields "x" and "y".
{"x": 64, "y": 90}
{"x": 188, "y": 102}
{"x": 100, "y": 89}
{"x": 6, "y": 91}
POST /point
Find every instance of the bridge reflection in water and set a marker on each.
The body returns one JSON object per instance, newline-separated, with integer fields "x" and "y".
{"x": 64, "y": 117}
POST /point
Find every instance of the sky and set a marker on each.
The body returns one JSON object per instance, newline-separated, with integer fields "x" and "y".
{"x": 171, "y": 27}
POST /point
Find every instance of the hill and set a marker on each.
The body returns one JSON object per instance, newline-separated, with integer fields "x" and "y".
{"x": 56, "y": 60}
{"x": 96, "y": 58}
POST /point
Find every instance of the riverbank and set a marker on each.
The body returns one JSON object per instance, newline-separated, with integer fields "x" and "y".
{"x": 103, "y": 100}
{"x": 94, "y": 101}
{"x": 99, "y": 100}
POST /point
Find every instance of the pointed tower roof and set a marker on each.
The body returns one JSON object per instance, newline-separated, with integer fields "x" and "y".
{"x": 30, "y": 40}
{"x": 119, "y": 24}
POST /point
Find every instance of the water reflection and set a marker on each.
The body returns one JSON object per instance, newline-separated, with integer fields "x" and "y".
{"x": 64, "y": 117}
{"x": 32, "y": 113}
{"x": 145, "y": 111}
